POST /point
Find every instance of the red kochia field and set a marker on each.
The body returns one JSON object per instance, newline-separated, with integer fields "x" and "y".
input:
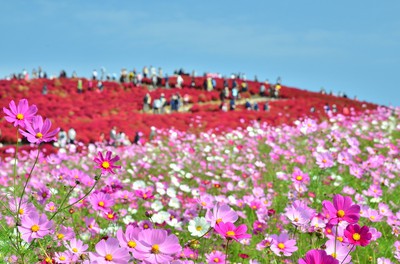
{"x": 94, "y": 112}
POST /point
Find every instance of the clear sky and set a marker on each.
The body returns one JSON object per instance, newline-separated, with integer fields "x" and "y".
{"x": 349, "y": 46}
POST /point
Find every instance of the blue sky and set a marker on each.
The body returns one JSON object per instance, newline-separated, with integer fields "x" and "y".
{"x": 349, "y": 46}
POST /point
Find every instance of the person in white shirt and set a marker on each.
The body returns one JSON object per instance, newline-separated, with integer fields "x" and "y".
{"x": 72, "y": 135}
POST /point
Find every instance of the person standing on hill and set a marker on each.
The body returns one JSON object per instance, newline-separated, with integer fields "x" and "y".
{"x": 113, "y": 136}
{"x": 94, "y": 75}
{"x": 179, "y": 81}
{"x": 80, "y": 86}
{"x": 72, "y": 135}
{"x": 146, "y": 102}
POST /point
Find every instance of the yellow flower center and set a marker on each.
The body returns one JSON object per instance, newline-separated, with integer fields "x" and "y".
{"x": 132, "y": 244}
{"x": 155, "y": 249}
{"x": 230, "y": 233}
{"x": 216, "y": 260}
{"x": 333, "y": 254}
{"x": 21, "y": 211}
{"x": 281, "y": 246}
{"x": 145, "y": 226}
{"x": 60, "y": 236}
{"x": 48, "y": 260}
{"x": 35, "y": 228}
{"x": 203, "y": 204}
{"x": 74, "y": 250}
{"x": 52, "y": 208}
{"x": 372, "y": 217}
{"x": 219, "y": 220}
{"x": 340, "y": 213}
{"x": 101, "y": 203}
{"x": 199, "y": 228}
{"x": 144, "y": 196}
{"x": 110, "y": 216}
{"x": 62, "y": 258}
{"x": 340, "y": 238}
{"x": 105, "y": 164}
{"x": 356, "y": 236}
{"x": 20, "y": 116}
{"x": 108, "y": 257}
{"x": 324, "y": 161}
{"x": 299, "y": 178}
{"x": 39, "y": 135}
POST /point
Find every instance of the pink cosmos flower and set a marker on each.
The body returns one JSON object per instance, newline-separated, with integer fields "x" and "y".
{"x": 101, "y": 201}
{"x": 221, "y": 213}
{"x": 373, "y": 215}
{"x": 39, "y": 131}
{"x": 24, "y": 209}
{"x": 342, "y": 209}
{"x": 65, "y": 257}
{"x": 156, "y": 246}
{"x": 64, "y": 234}
{"x": 106, "y": 164}
{"x": 282, "y": 245}
{"x": 315, "y": 256}
{"x": 324, "y": 160}
{"x": 215, "y": 257}
{"x": 50, "y": 207}
{"x": 339, "y": 251}
{"x": 230, "y": 231}
{"x": 357, "y": 235}
{"x": 21, "y": 114}
{"x": 128, "y": 239}
{"x": 109, "y": 252}
{"x": 384, "y": 261}
{"x": 299, "y": 213}
{"x": 34, "y": 225}
{"x": 76, "y": 246}
{"x": 92, "y": 226}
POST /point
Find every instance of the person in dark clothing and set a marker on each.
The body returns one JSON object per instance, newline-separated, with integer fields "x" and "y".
{"x": 137, "y": 138}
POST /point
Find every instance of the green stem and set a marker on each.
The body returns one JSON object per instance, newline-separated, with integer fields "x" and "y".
{"x": 62, "y": 203}
{"x": 86, "y": 195}
{"x": 27, "y": 180}
{"x": 347, "y": 254}
{"x": 226, "y": 251}
{"x": 15, "y": 168}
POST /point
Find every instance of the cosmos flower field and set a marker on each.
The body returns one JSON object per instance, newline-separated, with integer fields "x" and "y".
{"x": 313, "y": 192}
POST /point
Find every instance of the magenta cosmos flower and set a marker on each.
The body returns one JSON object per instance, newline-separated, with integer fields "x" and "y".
{"x": 106, "y": 164}
{"x": 39, "y": 131}
{"x": 342, "y": 209}
{"x": 156, "y": 246}
{"x": 221, "y": 213}
{"x": 21, "y": 114}
{"x": 315, "y": 256}
{"x": 230, "y": 231}
{"x": 34, "y": 225}
{"x": 109, "y": 252}
{"x": 282, "y": 245}
{"x": 356, "y": 235}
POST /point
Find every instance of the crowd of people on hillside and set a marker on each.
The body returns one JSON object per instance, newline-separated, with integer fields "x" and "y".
{"x": 116, "y": 138}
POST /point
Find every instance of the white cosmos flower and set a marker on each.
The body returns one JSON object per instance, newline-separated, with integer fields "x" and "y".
{"x": 171, "y": 192}
{"x": 160, "y": 217}
{"x": 156, "y": 205}
{"x": 198, "y": 226}
{"x": 138, "y": 185}
{"x": 184, "y": 188}
{"x": 174, "y": 203}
